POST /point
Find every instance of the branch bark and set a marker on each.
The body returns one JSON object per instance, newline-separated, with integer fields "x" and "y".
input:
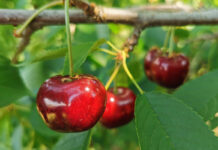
{"x": 24, "y": 42}
{"x": 132, "y": 41}
{"x": 90, "y": 9}
{"x": 145, "y": 17}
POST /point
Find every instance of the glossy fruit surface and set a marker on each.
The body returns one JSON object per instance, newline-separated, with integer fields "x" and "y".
{"x": 170, "y": 71}
{"x": 152, "y": 54}
{"x": 167, "y": 70}
{"x": 120, "y": 107}
{"x": 71, "y": 104}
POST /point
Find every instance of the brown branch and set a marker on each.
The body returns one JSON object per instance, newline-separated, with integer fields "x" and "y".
{"x": 85, "y": 6}
{"x": 24, "y": 42}
{"x": 90, "y": 9}
{"x": 132, "y": 41}
{"x": 114, "y": 15}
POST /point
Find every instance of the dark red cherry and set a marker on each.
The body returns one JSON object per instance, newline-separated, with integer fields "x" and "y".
{"x": 152, "y": 54}
{"x": 119, "y": 109}
{"x": 71, "y": 104}
{"x": 170, "y": 71}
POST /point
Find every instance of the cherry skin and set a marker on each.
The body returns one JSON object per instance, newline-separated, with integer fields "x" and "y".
{"x": 152, "y": 54}
{"x": 119, "y": 109}
{"x": 170, "y": 71}
{"x": 71, "y": 104}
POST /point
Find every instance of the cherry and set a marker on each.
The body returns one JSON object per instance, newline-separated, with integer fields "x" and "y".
{"x": 71, "y": 104}
{"x": 153, "y": 53}
{"x": 170, "y": 71}
{"x": 167, "y": 70}
{"x": 120, "y": 107}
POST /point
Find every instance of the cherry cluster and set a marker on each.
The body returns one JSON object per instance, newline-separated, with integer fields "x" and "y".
{"x": 74, "y": 104}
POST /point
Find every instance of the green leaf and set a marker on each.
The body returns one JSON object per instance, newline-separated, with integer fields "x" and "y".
{"x": 33, "y": 76}
{"x": 50, "y": 54}
{"x": 213, "y": 123}
{"x": 165, "y": 123}
{"x": 213, "y": 54}
{"x": 181, "y": 33}
{"x": 201, "y": 94}
{"x": 151, "y": 38}
{"x": 80, "y": 53}
{"x": 85, "y": 33}
{"x": 17, "y": 138}
{"x": 58, "y": 52}
{"x": 74, "y": 141}
{"x": 11, "y": 86}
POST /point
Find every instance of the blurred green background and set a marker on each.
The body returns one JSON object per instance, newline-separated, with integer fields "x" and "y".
{"x": 21, "y": 128}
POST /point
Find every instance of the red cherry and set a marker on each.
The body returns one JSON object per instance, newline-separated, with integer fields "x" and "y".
{"x": 71, "y": 104}
{"x": 170, "y": 71}
{"x": 120, "y": 107}
{"x": 152, "y": 54}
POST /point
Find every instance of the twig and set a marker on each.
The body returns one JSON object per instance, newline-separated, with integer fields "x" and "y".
{"x": 90, "y": 9}
{"x": 133, "y": 40}
{"x": 24, "y": 42}
{"x": 19, "y": 32}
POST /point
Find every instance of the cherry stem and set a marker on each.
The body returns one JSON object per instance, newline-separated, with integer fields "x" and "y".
{"x": 129, "y": 74}
{"x": 107, "y": 51}
{"x": 171, "y": 41}
{"x": 116, "y": 70}
{"x": 115, "y": 81}
{"x": 29, "y": 20}
{"x": 69, "y": 43}
{"x": 113, "y": 47}
{"x": 166, "y": 40}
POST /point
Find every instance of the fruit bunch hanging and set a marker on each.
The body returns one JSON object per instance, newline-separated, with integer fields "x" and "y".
{"x": 76, "y": 103}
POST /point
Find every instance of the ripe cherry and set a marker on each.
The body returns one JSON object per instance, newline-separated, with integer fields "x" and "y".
{"x": 167, "y": 70}
{"x": 120, "y": 107}
{"x": 170, "y": 71}
{"x": 71, "y": 104}
{"x": 153, "y": 53}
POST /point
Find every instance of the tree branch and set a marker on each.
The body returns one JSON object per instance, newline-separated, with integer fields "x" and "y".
{"x": 132, "y": 41}
{"x": 24, "y": 42}
{"x": 145, "y": 18}
{"x": 90, "y": 9}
